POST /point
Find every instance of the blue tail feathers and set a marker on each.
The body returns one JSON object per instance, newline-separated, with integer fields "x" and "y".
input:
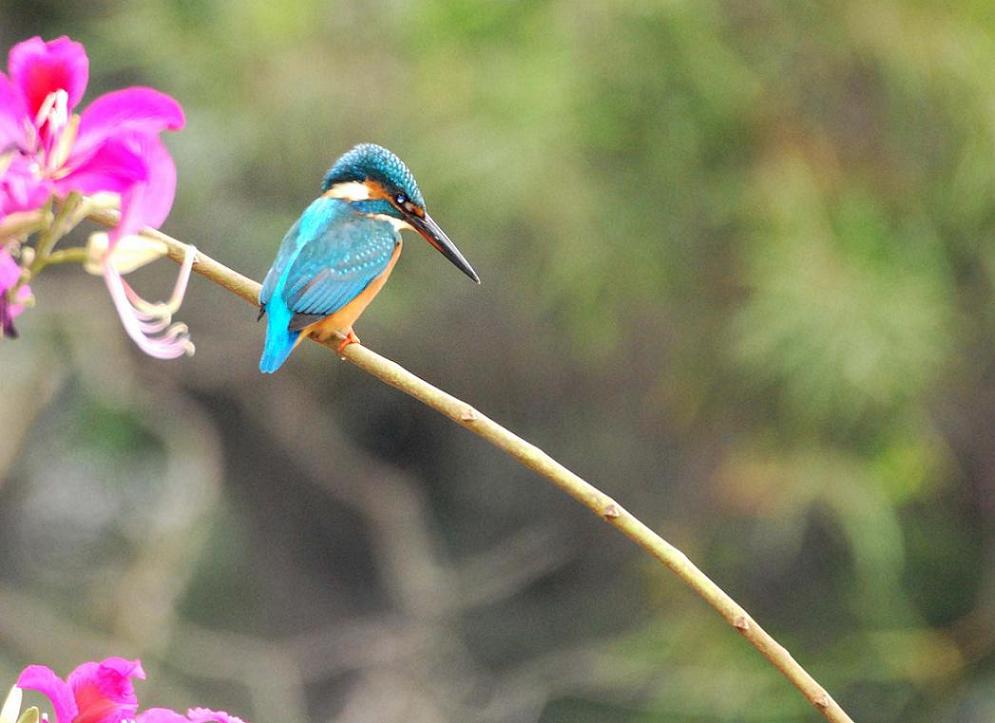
{"x": 280, "y": 340}
{"x": 279, "y": 344}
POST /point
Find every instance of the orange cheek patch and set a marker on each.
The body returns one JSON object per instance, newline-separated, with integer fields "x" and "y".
{"x": 376, "y": 190}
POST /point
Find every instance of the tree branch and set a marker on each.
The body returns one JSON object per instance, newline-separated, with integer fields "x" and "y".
{"x": 535, "y": 459}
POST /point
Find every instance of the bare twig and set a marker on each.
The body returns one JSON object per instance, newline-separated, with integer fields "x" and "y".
{"x": 535, "y": 459}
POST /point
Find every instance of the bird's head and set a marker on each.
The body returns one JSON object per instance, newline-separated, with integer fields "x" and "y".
{"x": 377, "y": 182}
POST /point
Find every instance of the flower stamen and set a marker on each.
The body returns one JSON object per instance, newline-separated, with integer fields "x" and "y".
{"x": 64, "y": 145}
{"x": 52, "y": 118}
{"x": 150, "y": 325}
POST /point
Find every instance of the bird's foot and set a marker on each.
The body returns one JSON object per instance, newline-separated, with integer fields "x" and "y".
{"x": 350, "y": 338}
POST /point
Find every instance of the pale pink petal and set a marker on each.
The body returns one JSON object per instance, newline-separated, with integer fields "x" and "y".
{"x": 161, "y": 715}
{"x": 116, "y": 166}
{"x": 103, "y": 691}
{"x": 203, "y": 715}
{"x": 194, "y": 715}
{"x": 39, "y": 68}
{"x": 148, "y": 203}
{"x": 13, "y": 116}
{"x": 46, "y": 682}
{"x": 143, "y": 111}
{"x": 21, "y": 188}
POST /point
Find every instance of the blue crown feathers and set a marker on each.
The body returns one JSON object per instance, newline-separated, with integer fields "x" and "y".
{"x": 368, "y": 160}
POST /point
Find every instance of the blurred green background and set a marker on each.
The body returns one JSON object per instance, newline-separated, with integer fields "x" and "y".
{"x": 738, "y": 270}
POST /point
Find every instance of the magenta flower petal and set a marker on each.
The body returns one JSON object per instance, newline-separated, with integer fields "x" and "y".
{"x": 39, "y": 68}
{"x": 103, "y": 691}
{"x": 143, "y": 111}
{"x": 148, "y": 203}
{"x": 116, "y": 166}
{"x": 46, "y": 682}
{"x": 13, "y": 115}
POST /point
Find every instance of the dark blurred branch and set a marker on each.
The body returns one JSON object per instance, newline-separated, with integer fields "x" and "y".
{"x": 535, "y": 459}
{"x": 512, "y": 565}
{"x": 388, "y": 502}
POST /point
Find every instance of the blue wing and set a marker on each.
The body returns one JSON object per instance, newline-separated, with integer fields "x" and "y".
{"x": 326, "y": 259}
{"x": 333, "y": 268}
{"x": 314, "y": 222}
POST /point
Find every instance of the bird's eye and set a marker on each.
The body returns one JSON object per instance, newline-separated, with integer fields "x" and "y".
{"x": 407, "y": 205}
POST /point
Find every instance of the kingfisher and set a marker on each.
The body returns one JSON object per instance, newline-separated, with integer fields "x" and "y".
{"x": 339, "y": 253}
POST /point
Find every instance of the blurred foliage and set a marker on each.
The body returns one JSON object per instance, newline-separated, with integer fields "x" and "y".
{"x": 738, "y": 268}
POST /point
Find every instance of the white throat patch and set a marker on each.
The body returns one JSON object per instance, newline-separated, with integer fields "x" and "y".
{"x": 349, "y": 191}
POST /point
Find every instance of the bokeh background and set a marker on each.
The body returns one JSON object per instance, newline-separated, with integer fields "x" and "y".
{"x": 738, "y": 270}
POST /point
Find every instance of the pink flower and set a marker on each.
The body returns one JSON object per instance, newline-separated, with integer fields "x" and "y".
{"x": 11, "y": 302}
{"x": 93, "y": 693}
{"x": 103, "y": 693}
{"x": 112, "y": 147}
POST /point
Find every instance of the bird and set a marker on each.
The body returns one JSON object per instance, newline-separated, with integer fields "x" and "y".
{"x": 338, "y": 254}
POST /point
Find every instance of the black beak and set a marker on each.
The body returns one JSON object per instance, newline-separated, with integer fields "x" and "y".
{"x": 430, "y": 230}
